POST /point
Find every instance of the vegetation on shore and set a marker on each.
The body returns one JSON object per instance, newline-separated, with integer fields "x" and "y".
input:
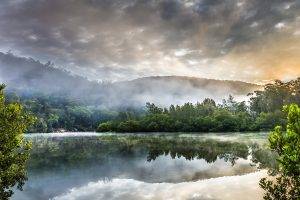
{"x": 262, "y": 112}
{"x": 286, "y": 182}
{"x": 14, "y": 151}
{"x": 60, "y": 113}
{"x": 231, "y": 116}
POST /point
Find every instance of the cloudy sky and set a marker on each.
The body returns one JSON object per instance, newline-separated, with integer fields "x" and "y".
{"x": 250, "y": 40}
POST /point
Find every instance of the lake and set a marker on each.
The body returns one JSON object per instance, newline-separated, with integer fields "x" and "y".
{"x": 85, "y": 166}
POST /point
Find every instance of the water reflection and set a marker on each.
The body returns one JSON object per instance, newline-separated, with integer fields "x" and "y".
{"x": 58, "y": 164}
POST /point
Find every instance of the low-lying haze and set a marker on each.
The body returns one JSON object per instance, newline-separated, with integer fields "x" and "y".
{"x": 27, "y": 76}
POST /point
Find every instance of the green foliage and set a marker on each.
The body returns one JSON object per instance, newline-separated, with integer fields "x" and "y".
{"x": 156, "y": 122}
{"x": 105, "y": 127}
{"x": 263, "y": 113}
{"x": 287, "y": 145}
{"x": 267, "y": 121}
{"x": 129, "y": 126}
{"x": 225, "y": 120}
{"x": 153, "y": 109}
{"x": 275, "y": 96}
{"x": 14, "y": 151}
{"x": 200, "y": 117}
{"x": 59, "y": 113}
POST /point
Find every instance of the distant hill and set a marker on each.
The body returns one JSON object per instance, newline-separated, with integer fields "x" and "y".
{"x": 28, "y": 76}
{"x": 164, "y": 90}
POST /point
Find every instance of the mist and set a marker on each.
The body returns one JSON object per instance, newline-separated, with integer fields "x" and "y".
{"x": 27, "y": 76}
{"x": 118, "y": 169}
{"x": 148, "y": 99}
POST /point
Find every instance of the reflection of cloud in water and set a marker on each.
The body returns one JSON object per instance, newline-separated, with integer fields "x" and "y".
{"x": 51, "y": 182}
{"x": 166, "y": 169}
{"x": 60, "y": 163}
{"x": 223, "y": 188}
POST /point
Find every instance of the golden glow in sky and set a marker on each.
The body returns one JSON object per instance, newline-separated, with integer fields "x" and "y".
{"x": 248, "y": 40}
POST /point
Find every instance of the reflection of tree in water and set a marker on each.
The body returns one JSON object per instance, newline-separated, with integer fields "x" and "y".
{"x": 78, "y": 152}
{"x": 209, "y": 150}
{"x": 56, "y": 152}
{"x": 265, "y": 158}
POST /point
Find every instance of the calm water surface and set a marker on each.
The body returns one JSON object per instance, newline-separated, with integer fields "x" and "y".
{"x": 145, "y": 166}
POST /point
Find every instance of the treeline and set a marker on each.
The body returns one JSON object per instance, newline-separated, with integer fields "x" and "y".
{"x": 201, "y": 117}
{"x": 263, "y": 112}
{"x": 55, "y": 113}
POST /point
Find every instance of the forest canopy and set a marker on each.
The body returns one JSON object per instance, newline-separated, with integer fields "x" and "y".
{"x": 262, "y": 112}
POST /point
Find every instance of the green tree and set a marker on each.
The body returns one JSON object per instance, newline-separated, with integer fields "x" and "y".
{"x": 105, "y": 127}
{"x": 153, "y": 109}
{"x": 129, "y": 126}
{"x": 14, "y": 151}
{"x": 286, "y": 144}
{"x": 267, "y": 121}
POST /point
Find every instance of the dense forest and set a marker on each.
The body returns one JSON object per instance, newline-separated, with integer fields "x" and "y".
{"x": 262, "y": 112}
{"x": 56, "y": 113}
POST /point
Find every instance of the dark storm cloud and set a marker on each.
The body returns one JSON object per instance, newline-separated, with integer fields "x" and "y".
{"x": 130, "y": 38}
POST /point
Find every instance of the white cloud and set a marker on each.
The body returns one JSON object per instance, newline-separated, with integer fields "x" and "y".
{"x": 225, "y": 188}
{"x": 254, "y": 24}
{"x": 280, "y": 25}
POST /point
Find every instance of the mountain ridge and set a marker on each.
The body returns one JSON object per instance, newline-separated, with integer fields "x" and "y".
{"x": 188, "y": 78}
{"x": 29, "y": 75}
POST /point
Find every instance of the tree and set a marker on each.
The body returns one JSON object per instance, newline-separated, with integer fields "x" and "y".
{"x": 209, "y": 102}
{"x": 129, "y": 126}
{"x": 275, "y": 95}
{"x": 105, "y": 127}
{"x": 153, "y": 109}
{"x": 14, "y": 151}
{"x": 287, "y": 145}
{"x": 267, "y": 121}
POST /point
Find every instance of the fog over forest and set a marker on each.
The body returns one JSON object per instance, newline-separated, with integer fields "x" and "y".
{"x": 53, "y": 50}
{"x": 149, "y": 99}
{"x": 27, "y": 76}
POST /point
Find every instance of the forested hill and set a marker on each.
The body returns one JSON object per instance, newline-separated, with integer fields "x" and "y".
{"x": 29, "y": 76}
{"x": 164, "y": 90}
